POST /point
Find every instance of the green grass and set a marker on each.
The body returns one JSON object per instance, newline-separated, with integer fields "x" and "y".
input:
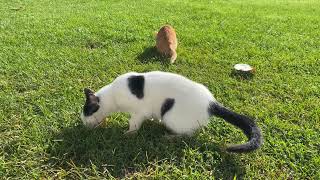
{"x": 51, "y": 50}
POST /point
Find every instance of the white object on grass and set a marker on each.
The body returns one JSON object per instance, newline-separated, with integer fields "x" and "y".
{"x": 243, "y": 67}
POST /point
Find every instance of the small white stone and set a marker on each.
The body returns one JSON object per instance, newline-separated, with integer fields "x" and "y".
{"x": 243, "y": 67}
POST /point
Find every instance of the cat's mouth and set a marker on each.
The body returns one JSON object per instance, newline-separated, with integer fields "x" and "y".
{"x": 100, "y": 124}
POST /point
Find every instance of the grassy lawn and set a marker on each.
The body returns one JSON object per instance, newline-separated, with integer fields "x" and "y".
{"x": 51, "y": 50}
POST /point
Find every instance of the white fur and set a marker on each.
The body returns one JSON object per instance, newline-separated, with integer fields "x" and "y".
{"x": 189, "y": 112}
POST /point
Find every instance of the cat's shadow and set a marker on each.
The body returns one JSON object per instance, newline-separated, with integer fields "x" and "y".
{"x": 150, "y": 54}
{"x": 241, "y": 75}
{"x": 110, "y": 149}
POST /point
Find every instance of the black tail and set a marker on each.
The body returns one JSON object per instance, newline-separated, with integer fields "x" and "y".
{"x": 246, "y": 124}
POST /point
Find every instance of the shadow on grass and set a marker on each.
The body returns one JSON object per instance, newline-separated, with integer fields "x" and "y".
{"x": 241, "y": 75}
{"x": 109, "y": 150}
{"x": 150, "y": 54}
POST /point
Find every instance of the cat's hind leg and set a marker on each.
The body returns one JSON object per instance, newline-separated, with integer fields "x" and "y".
{"x": 178, "y": 123}
{"x": 135, "y": 123}
{"x": 173, "y": 57}
{"x": 172, "y": 54}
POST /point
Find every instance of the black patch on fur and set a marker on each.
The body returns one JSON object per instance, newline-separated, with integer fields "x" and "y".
{"x": 92, "y": 103}
{"x": 90, "y": 108}
{"x": 246, "y": 124}
{"x": 136, "y": 85}
{"x": 166, "y": 106}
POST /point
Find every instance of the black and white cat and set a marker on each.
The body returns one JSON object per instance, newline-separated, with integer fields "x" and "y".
{"x": 182, "y": 105}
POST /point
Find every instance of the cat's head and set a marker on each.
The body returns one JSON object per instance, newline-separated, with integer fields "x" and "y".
{"x": 90, "y": 112}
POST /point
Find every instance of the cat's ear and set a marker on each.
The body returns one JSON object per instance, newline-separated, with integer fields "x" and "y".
{"x": 92, "y": 102}
{"x": 88, "y": 92}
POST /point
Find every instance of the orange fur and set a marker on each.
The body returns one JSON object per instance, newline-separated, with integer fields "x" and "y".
{"x": 167, "y": 42}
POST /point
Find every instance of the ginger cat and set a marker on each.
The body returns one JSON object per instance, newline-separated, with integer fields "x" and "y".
{"x": 167, "y": 42}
